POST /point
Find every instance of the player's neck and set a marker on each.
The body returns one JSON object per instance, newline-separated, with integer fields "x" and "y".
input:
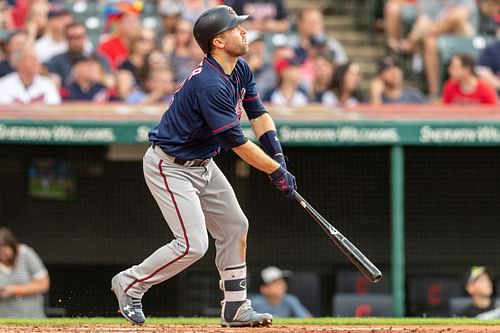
{"x": 226, "y": 61}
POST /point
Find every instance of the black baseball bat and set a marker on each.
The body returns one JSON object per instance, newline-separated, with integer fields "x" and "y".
{"x": 355, "y": 256}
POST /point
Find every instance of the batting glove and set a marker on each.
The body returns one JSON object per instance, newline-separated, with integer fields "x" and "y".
{"x": 284, "y": 181}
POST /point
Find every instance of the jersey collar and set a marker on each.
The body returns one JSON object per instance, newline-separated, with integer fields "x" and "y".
{"x": 218, "y": 68}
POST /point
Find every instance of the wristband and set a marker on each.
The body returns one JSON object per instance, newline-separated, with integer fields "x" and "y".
{"x": 271, "y": 145}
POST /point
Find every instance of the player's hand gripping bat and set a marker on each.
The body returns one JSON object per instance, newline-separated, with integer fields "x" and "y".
{"x": 355, "y": 256}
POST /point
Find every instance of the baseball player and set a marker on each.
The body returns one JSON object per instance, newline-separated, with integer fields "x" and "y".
{"x": 191, "y": 191}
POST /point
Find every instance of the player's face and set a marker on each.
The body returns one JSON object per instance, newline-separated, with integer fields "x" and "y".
{"x": 235, "y": 41}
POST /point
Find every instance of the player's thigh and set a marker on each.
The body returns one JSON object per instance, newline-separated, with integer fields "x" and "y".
{"x": 176, "y": 196}
{"x": 223, "y": 213}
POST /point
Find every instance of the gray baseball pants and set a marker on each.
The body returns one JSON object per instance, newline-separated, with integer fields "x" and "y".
{"x": 192, "y": 201}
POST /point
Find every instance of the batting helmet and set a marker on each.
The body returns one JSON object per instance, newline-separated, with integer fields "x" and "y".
{"x": 214, "y": 21}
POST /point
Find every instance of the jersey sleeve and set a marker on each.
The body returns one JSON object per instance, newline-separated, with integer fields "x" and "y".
{"x": 214, "y": 103}
{"x": 251, "y": 102}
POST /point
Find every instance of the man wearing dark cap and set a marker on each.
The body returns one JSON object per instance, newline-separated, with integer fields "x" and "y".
{"x": 480, "y": 288}
{"x": 60, "y": 66}
{"x": 274, "y": 298}
{"x": 387, "y": 86}
{"x": 53, "y": 41}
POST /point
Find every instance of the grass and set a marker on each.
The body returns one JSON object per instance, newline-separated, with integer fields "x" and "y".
{"x": 282, "y": 321}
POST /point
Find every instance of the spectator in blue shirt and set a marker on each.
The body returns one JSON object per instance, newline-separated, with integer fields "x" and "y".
{"x": 86, "y": 85}
{"x": 387, "y": 87}
{"x": 274, "y": 298}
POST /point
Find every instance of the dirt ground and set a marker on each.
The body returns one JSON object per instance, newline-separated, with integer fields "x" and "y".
{"x": 218, "y": 329}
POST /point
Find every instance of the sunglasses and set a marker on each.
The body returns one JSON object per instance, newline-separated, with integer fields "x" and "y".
{"x": 71, "y": 37}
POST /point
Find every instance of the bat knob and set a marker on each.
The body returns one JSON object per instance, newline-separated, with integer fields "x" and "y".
{"x": 376, "y": 278}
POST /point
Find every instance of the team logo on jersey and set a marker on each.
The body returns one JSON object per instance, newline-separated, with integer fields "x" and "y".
{"x": 239, "y": 105}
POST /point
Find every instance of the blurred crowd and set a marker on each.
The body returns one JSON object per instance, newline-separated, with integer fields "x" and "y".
{"x": 48, "y": 54}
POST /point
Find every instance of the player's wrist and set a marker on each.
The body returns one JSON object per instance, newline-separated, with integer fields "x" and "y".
{"x": 277, "y": 171}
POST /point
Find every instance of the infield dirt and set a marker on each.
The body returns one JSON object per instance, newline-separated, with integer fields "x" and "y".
{"x": 218, "y": 329}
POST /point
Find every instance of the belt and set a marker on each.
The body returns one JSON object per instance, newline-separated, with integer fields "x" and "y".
{"x": 180, "y": 161}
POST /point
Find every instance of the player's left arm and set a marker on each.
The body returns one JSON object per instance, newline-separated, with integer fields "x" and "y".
{"x": 262, "y": 124}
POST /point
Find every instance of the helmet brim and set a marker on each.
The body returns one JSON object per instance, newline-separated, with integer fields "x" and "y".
{"x": 236, "y": 21}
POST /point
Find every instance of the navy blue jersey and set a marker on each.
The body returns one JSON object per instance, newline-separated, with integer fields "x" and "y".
{"x": 208, "y": 102}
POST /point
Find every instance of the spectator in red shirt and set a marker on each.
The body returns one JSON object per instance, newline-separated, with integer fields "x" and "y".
{"x": 464, "y": 87}
{"x": 124, "y": 24}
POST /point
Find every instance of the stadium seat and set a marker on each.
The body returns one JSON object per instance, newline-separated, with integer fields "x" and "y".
{"x": 352, "y": 305}
{"x": 353, "y": 282}
{"x": 429, "y": 295}
{"x": 306, "y": 286}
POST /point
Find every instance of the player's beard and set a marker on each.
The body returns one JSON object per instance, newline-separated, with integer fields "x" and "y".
{"x": 238, "y": 50}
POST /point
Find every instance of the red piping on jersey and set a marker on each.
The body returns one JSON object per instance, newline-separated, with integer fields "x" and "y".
{"x": 251, "y": 98}
{"x": 183, "y": 231}
{"x": 225, "y": 126}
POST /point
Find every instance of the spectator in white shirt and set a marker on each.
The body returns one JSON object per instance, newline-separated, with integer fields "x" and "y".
{"x": 53, "y": 42}
{"x": 26, "y": 86}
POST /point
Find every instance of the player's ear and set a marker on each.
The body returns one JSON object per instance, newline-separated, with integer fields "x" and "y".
{"x": 218, "y": 41}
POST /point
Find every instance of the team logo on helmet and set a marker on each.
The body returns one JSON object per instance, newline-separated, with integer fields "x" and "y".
{"x": 231, "y": 11}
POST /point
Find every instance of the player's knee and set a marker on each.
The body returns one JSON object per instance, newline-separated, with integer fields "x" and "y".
{"x": 198, "y": 247}
{"x": 241, "y": 228}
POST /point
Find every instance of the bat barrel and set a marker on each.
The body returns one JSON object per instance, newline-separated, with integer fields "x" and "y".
{"x": 350, "y": 250}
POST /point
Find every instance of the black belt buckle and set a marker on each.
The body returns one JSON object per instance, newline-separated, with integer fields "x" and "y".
{"x": 192, "y": 163}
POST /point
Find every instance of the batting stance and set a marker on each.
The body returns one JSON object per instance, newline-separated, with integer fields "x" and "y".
{"x": 191, "y": 191}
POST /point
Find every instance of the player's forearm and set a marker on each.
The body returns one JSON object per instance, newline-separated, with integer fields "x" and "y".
{"x": 256, "y": 157}
{"x": 262, "y": 124}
